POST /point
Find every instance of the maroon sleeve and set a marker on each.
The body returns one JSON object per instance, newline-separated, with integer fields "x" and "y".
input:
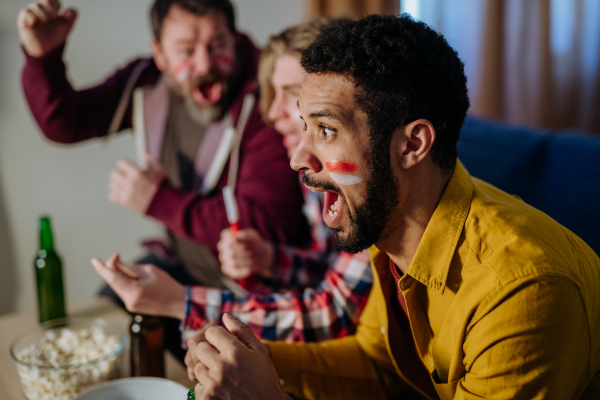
{"x": 267, "y": 192}
{"x": 64, "y": 114}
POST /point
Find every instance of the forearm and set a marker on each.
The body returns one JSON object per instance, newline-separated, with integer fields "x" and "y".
{"x": 337, "y": 369}
{"x": 202, "y": 218}
{"x": 64, "y": 114}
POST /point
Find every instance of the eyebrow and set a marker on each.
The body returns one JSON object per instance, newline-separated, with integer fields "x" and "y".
{"x": 324, "y": 114}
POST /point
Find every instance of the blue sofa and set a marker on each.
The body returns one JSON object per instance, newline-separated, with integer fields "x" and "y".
{"x": 558, "y": 174}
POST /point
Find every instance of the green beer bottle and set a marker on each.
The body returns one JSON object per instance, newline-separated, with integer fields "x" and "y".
{"x": 49, "y": 277}
{"x": 191, "y": 395}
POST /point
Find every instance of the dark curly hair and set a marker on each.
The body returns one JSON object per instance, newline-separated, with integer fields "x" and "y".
{"x": 161, "y": 8}
{"x": 403, "y": 71}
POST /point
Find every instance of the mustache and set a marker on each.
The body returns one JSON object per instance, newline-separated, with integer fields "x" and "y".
{"x": 211, "y": 77}
{"x": 313, "y": 182}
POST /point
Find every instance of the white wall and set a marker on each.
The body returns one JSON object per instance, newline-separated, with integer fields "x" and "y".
{"x": 70, "y": 182}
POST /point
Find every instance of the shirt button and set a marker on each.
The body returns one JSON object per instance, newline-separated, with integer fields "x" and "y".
{"x": 383, "y": 330}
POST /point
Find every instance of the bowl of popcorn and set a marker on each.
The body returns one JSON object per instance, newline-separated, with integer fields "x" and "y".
{"x": 63, "y": 357}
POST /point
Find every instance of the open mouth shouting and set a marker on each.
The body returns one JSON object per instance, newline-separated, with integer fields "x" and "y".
{"x": 334, "y": 206}
{"x": 208, "y": 92}
{"x": 333, "y": 209}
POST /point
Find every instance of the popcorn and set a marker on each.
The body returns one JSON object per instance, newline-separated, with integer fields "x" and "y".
{"x": 61, "y": 365}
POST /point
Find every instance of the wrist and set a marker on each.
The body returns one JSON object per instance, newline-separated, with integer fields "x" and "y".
{"x": 177, "y": 305}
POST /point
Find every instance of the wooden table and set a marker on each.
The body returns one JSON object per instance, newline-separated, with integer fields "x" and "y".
{"x": 13, "y": 324}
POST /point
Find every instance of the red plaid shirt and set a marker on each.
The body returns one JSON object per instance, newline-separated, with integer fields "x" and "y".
{"x": 308, "y": 307}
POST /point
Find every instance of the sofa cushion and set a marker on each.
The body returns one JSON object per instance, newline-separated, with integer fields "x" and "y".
{"x": 557, "y": 173}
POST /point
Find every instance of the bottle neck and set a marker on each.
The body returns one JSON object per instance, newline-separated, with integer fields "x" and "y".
{"x": 46, "y": 240}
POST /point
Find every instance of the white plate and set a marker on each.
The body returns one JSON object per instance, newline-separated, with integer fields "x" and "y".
{"x": 135, "y": 389}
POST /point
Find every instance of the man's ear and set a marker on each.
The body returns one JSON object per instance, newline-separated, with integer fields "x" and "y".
{"x": 414, "y": 142}
{"x": 157, "y": 54}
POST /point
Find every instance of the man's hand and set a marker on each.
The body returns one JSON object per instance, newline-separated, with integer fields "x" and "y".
{"x": 145, "y": 289}
{"x": 133, "y": 188}
{"x": 42, "y": 27}
{"x": 245, "y": 254}
{"x": 191, "y": 359}
{"x": 234, "y": 364}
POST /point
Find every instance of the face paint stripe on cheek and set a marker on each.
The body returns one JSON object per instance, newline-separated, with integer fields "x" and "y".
{"x": 224, "y": 64}
{"x": 341, "y": 166}
{"x": 340, "y": 172}
{"x": 182, "y": 71}
{"x": 345, "y": 179}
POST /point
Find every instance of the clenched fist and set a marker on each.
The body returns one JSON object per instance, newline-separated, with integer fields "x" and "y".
{"x": 231, "y": 363}
{"x": 134, "y": 188}
{"x": 245, "y": 254}
{"x": 43, "y": 27}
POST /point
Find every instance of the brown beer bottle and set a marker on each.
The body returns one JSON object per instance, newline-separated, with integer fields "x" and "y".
{"x": 147, "y": 352}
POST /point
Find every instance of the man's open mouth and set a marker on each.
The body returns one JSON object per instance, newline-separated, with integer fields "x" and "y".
{"x": 332, "y": 209}
{"x": 209, "y": 92}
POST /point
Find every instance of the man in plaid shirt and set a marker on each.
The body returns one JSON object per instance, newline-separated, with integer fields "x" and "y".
{"x": 289, "y": 299}
{"x": 308, "y": 310}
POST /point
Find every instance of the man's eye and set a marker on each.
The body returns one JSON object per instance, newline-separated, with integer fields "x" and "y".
{"x": 327, "y": 133}
{"x": 186, "y": 52}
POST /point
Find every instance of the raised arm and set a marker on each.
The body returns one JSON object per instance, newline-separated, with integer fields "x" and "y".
{"x": 64, "y": 114}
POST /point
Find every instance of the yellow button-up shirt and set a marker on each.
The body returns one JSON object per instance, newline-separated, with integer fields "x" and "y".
{"x": 503, "y": 302}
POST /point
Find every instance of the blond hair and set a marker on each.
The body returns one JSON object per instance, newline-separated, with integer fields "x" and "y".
{"x": 291, "y": 41}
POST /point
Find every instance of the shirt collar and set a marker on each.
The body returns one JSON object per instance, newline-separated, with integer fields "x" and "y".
{"x": 432, "y": 260}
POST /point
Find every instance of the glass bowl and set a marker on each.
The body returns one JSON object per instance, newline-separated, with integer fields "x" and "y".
{"x": 63, "y": 357}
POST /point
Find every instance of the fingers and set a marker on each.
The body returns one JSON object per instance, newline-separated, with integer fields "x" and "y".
{"x": 116, "y": 280}
{"x": 221, "y": 339}
{"x": 26, "y": 19}
{"x": 39, "y": 11}
{"x": 50, "y": 11}
{"x": 249, "y": 234}
{"x": 192, "y": 343}
{"x": 127, "y": 168}
{"x": 70, "y": 15}
{"x": 242, "y": 332}
{"x": 208, "y": 356}
{"x": 189, "y": 363}
{"x": 109, "y": 275}
{"x": 153, "y": 163}
{"x": 126, "y": 269}
{"x": 54, "y": 4}
{"x": 110, "y": 263}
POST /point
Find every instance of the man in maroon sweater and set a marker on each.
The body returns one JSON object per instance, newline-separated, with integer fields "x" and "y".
{"x": 190, "y": 106}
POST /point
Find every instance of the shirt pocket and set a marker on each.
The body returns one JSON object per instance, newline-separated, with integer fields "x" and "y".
{"x": 445, "y": 390}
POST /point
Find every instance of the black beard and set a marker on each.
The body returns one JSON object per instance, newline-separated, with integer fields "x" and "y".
{"x": 370, "y": 218}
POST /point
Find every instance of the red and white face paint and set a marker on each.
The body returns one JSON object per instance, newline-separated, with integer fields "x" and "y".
{"x": 342, "y": 172}
{"x": 223, "y": 64}
{"x": 182, "y": 71}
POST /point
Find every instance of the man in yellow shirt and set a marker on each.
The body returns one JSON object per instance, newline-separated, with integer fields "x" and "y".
{"x": 476, "y": 294}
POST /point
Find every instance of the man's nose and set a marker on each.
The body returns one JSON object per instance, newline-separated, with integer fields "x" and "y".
{"x": 304, "y": 158}
{"x": 201, "y": 61}
{"x": 276, "y": 110}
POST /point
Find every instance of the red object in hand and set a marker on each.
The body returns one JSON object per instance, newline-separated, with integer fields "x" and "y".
{"x": 235, "y": 228}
